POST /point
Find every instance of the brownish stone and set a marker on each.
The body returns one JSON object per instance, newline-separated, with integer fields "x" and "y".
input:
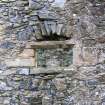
{"x": 101, "y": 40}
{"x": 27, "y": 53}
{"x": 19, "y": 62}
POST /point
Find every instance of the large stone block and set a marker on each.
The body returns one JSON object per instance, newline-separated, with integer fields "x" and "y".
{"x": 27, "y": 53}
{"x": 18, "y": 62}
{"x": 77, "y": 56}
{"x": 85, "y": 56}
{"x": 90, "y": 55}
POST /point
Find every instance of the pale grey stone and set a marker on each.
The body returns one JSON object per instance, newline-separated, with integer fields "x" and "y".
{"x": 47, "y": 28}
{"x": 24, "y": 71}
{"x": 20, "y": 62}
{"x": 3, "y": 86}
{"x": 59, "y": 29}
{"x": 7, "y": 45}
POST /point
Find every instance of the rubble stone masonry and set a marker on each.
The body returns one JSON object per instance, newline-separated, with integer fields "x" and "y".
{"x": 28, "y": 25}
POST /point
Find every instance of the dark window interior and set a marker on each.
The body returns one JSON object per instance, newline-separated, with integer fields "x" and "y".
{"x": 54, "y": 57}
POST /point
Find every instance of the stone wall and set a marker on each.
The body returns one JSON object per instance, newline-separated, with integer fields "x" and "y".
{"x": 21, "y": 30}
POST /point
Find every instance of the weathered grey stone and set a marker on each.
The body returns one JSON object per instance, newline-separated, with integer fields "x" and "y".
{"x": 37, "y": 33}
{"x": 76, "y": 1}
{"x": 5, "y": 100}
{"x": 25, "y": 34}
{"x": 46, "y": 100}
{"x": 47, "y": 28}
{"x": 89, "y": 42}
{"x": 34, "y": 4}
{"x": 23, "y": 71}
{"x": 46, "y": 70}
{"x": 3, "y": 86}
{"x": 7, "y": 45}
{"x": 90, "y": 56}
{"x": 59, "y": 28}
{"x": 69, "y": 100}
{"x": 43, "y": 29}
{"x": 8, "y": 72}
{"x": 60, "y": 84}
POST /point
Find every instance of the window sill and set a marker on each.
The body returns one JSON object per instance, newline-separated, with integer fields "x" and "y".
{"x": 55, "y": 70}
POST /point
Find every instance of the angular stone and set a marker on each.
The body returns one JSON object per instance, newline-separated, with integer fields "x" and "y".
{"x": 50, "y": 27}
{"x": 59, "y": 28}
{"x": 43, "y": 29}
{"x": 91, "y": 82}
{"x": 3, "y": 86}
{"x": 60, "y": 84}
{"x": 25, "y": 34}
{"x": 19, "y": 62}
{"x": 88, "y": 42}
{"x": 54, "y": 27}
{"x": 47, "y": 100}
{"x": 7, "y": 45}
{"x": 46, "y": 15}
{"x": 35, "y": 4}
{"x": 8, "y": 72}
{"x": 23, "y": 71}
{"x": 47, "y": 28}
{"x": 37, "y": 34}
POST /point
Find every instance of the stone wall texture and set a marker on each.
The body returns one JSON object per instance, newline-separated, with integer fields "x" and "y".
{"x": 23, "y": 23}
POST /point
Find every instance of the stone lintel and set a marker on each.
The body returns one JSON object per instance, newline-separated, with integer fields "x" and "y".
{"x": 47, "y": 44}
